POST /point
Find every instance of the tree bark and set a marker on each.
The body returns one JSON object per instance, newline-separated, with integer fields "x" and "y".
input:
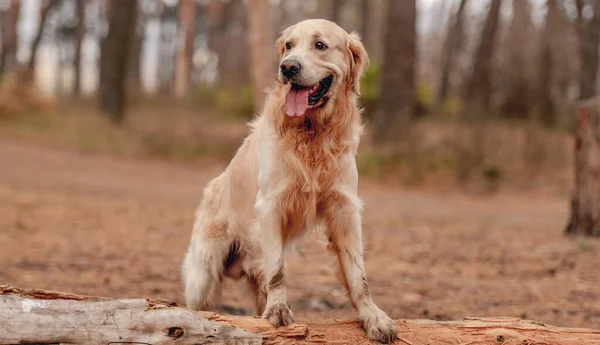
{"x": 544, "y": 103}
{"x": 79, "y": 36}
{"x": 479, "y": 87}
{"x": 166, "y": 69}
{"x": 365, "y": 14}
{"x": 114, "y": 58}
{"x": 579, "y": 22}
{"x": 585, "y": 204}
{"x": 260, "y": 50}
{"x": 589, "y": 56}
{"x": 183, "y": 67}
{"x": 516, "y": 103}
{"x": 41, "y": 317}
{"x": 478, "y": 94}
{"x": 134, "y": 82}
{"x": 46, "y": 317}
{"x": 44, "y": 12}
{"x": 10, "y": 37}
{"x": 228, "y": 37}
{"x": 451, "y": 48}
{"x": 335, "y": 10}
{"x": 398, "y": 81}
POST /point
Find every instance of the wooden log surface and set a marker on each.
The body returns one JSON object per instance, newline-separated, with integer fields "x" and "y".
{"x": 45, "y": 317}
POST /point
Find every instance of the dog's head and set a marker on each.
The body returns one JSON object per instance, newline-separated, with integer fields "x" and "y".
{"x": 318, "y": 61}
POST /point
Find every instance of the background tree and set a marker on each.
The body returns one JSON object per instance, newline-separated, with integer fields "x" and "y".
{"x": 10, "y": 36}
{"x": 45, "y": 10}
{"x": 167, "y": 47}
{"x": 585, "y": 204}
{"x": 335, "y": 10}
{"x": 79, "y": 36}
{"x": 589, "y": 55}
{"x": 516, "y": 102}
{"x": 544, "y": 105}
{"x": 398, "y": 82}
{"x": 228, "y": 38}
{"x": 183, "y": 67}
{"x": 452, "y": 46}
{"x": 261, "y": 51}
{"x": 479, "y": 86}
{"x": 114, "y": 58}
{"x": 365, "y": 20}
{"x": 478, "y": 94}
{"x": 134, "y": 75}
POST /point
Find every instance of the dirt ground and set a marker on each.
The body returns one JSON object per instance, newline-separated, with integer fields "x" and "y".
{"x": 97, "y": 225}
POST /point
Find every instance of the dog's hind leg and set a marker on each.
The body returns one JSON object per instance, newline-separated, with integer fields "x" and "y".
{"x": 203, "y": 268}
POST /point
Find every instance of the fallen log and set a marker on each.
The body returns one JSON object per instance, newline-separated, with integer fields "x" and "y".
{"x": 46, "y": 317}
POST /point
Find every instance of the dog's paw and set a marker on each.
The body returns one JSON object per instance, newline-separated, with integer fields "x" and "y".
{"x": 379, "y": 327}
{"x": 279, "y": 315}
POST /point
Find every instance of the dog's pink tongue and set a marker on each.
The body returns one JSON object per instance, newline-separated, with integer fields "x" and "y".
{"x": 296, "y": 102}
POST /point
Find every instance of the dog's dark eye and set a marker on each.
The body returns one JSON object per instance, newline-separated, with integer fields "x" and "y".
{"x": 320, "y": 46}
{"x": 288, "y": 46}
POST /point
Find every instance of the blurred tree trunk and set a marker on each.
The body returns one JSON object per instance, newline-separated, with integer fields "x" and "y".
{"x": 134, "y": 75}
{"x": 10, "y": 37}
{"x": 135, "y": 60}
{"x": 479, "y": 86}
{"x": 544, "y": 103}
{"x": 44, "y": 12}
{"x": 335, "y": 9}
{"x": 261, "y": 51}
{"x": 477, "y": 97}
{"x": 579, "y": 22}
{"x": 166, "y": 69}
{"x": 516, "y": 103}
{"x": 79, "y": 36}
{"x": 589, "y": 55}
{"x": 373, "y": 38}
{"x": 114, "y": 58}
{"x": 398, "y": 81}
{"x": 585, "y": 204}
{"x": 365, "y": 13}
{"x": 228, "y": 37}
{"x": 183, "y": 68}
{"x": 452, "y": 46}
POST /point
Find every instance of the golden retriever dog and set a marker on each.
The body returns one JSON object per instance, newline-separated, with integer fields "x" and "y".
{"x": 296, "y": 171}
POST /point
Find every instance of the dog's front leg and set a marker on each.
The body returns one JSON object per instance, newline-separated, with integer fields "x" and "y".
{"x": 343, "y": 222}
{"x": 277, "y": 310}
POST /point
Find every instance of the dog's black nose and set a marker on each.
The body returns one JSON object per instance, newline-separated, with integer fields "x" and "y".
{"x": 290, "y": 67}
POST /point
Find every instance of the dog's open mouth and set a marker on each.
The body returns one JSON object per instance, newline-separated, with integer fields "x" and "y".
{"x": 301, "y": 98}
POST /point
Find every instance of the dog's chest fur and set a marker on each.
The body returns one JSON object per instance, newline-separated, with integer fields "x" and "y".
{"x": 311, "y": 164}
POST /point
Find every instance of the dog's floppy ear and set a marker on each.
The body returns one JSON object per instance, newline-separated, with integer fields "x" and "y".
{"x": 359, "y": 61}
{"x": 279, "y": 48}
{"x": 280, "y": 44}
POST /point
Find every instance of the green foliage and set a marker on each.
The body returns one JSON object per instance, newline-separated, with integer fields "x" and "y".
{"x": 373, "y": 164}
{"x": 491, "y": 174}
{"x": 234, "y": 103}
{"x": 584, "y": 245}
{"x": 204, "y": 96}
{"x": 370, "y": 88}
{"x": 370, "y": 85}
{"x": 425, "y": 98}
{"x": 452, "y": 107}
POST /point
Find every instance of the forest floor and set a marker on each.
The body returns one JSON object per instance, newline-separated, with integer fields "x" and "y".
{"x": 103, "y": 225}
